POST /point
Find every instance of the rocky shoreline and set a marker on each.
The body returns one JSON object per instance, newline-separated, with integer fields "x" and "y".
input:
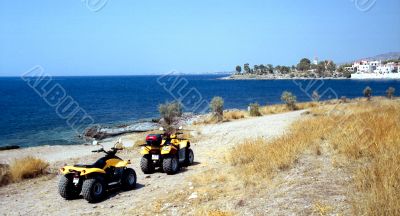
{"x": 103, "y": 132}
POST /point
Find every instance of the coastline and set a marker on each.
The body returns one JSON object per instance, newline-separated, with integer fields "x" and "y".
{"x": 263, "y": 77}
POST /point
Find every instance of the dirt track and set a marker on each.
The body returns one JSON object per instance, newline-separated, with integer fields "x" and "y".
{"x": 40, "y": 197}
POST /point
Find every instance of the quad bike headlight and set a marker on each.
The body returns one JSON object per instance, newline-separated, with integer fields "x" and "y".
{"x": 166, "y": 148}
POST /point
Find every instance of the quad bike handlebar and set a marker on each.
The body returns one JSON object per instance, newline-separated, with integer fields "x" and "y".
{"x": 113, "y": 151}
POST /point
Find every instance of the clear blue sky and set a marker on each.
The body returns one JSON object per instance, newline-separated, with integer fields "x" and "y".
{"x": 146, "y": 37}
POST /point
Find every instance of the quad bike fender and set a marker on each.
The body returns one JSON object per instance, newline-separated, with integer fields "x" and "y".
{"x": 184, "y": 144}
{"x": 145, "y": 150}
{"x": 170, "y": 149}
{"x": 116, "y": 163}
{"x": 83, "y": 171}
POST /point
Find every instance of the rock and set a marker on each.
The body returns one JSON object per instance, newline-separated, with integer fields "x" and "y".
{"x": 147, "y": 176}
{"x": 9, "y": 147}
{"x": 191, "y": 188}
{"x": 95, "y": 206}
{"x": 99, "y": 132}
{"x": 193, "y": 196}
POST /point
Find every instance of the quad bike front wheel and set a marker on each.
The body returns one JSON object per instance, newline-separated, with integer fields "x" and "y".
{"x": 93, "y": 189}
{"x": 189, "y": 159}
{"x": 66, "y": 188}
{"x": 146, "y": 165}
{"x": 171, "y": 165}
{"x": 128, "y": 180}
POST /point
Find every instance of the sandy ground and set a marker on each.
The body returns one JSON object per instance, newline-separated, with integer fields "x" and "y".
{"x": 40, "y": 197}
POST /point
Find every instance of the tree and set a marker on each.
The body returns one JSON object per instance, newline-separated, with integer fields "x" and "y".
{"x": 262, "y": 68}
{"x": 255, "y": 109}
{"x": 255, "y": 68}
{"x": 390, "y": 92}
{"x": 170, "y": 111}
{"x": 367, "y": 92}
{"x": 320, "y": 68}
{"x": 331, "y": 66}
{"x": 217, "y": 108}
{"x": 238, "y": 69}
{"x": 246, "y": 68}
{"x": 315, "y": 96}
{"x": 289, "y": 99}
{"x": 285, "y": 69}
{"x": 270, "y": 68}
{"x": 304, "y": 64}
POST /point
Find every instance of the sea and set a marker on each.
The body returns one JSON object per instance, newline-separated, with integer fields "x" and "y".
{"x": 30, "y": 112}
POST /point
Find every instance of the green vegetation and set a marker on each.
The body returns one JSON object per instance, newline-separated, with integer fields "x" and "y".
{"x": 217, "y": 108}
{"x": 255, "y": 109}
{"x": 289, "y": 99}
{"x": 170, "y": 111}
{"x": 367, "y": 92}
{"x": 305, "y": 68}
{"x": 390, "y": 92}
{"x": 315, "y": 96}
{"x": 304, "y": 64}
{"x": 238, "y": 69}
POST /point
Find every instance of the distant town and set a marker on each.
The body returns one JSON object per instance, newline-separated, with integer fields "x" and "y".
{"x": 307, "y": 69}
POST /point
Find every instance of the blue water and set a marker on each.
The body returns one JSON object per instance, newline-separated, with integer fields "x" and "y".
{"x": 27, "y": 120}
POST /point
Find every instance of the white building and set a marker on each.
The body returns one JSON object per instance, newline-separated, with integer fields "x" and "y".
{"x": 366, "y": 66}
{"x": 387, "y": 68}
{"x": 375, "y": 70}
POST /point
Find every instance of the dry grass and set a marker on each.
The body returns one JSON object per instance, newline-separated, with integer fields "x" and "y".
{"x": 259, "y": 159}
{"x": 281, "y": 108}
{"x": 228, "y": 115}
{"x": 366, "y": 133}
{"x": 234, "y": 114}
{"x": 24, "y": 168}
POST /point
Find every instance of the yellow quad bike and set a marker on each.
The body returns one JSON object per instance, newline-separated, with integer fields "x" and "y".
{"x": 166, "y": 151}
{"x": 94, "y": 180}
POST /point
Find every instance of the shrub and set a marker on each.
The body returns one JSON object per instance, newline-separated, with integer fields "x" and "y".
{"x": 217, "y": 108}
{"x": 5, "y": 175}
{"x": 255, "y": 109}
{"x": 315, "y": 96}
{"x": 19, "y": 169}
{"x": 343, "y": 99}
{"x": 390, "y": 92}
{"x": 234, "y": 114}
{"x": 170, "y": 111}
{"x": 289, "y": 99}
{"x": 367, "y": 92}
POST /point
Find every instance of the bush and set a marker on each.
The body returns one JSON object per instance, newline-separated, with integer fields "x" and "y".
{"x": 5, "y": 175}
{"x": 315, "y": 96}
{"x": 343, "y": 99}
{"x": 217, "y": 108}
{"x": 255, "y": 109}
{"x": 170, "y": 111}
{"x": 367, "y": 92}
{"x": 28, "y": 167}
{"x": 289, "y": 99}
{"x": 19, "y": 169}
{"x": 234, "y": 114}
{"x": 390, "y": 92}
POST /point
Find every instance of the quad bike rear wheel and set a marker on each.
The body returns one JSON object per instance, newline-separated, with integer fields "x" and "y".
{"x": 66, "y": 188}
{"x": 146, "y": 164}
{"x": 94, "y": 189}
{"x": 128, "y": 180}
{"x": 171, "y": 165}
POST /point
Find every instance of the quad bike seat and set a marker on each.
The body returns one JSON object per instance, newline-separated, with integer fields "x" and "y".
{"x": 154, "y": 139}
{"x": 98, "y": 164}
